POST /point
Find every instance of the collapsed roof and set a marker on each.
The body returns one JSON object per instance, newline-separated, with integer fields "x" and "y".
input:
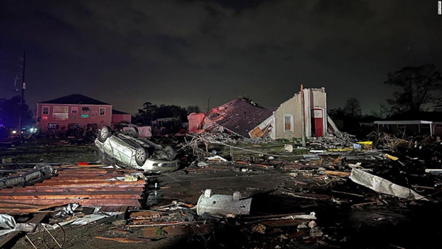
{"x": 240, "y": 115}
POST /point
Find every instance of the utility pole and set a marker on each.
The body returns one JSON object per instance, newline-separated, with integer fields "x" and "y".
{"x": 208, "y": 104}
{"x": 303, "y": 117}
{"x": 22, "y": 96}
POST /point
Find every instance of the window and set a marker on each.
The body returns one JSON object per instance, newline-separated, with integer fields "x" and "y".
{"x": 45, "y": 110}
{"x": 74, "y": 110}
{"x": 60, "y": 112}
{"x": 288, "y": 122}
{"x": 85, "y": 109}
{"x": 102, "y": 111}
{"x": 52, "y": 126}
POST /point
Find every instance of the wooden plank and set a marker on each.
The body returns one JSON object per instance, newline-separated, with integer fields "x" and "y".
{"x": 262, "y": 166}
{"x": 67, "y": 190}
{"x": 86, "y": 193}
{"x": 95, "y": 171}
{"x": 171, "y": 223}
{"x": 143, "y": 221}
{"x": 14, "y": 204}
{"x": 69, "y": 197}
{"x": 293, "y": 166}
{"x": 123, "y": 209}
{"x": 83, "y": 202}
{"x": 105, "y": 209}
{"x": 337, "y": 173}
{"x": 85, "y": 180}
{"x": 20, "y": 211}
{"x": 82, "y": 175}
{"x": 92, "y": 184}
{"x": 125, "y": 240}
{"x": 282, "y": 223}
{"x": 144, "y": 214}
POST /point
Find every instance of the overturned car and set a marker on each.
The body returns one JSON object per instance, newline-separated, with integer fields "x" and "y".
{"x": 139, "y": 153}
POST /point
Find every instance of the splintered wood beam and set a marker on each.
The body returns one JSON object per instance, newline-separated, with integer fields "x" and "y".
{"x": 337, "y": 173}
{"x": 125, "y": 240}
{"x": 145, "y": 214}
{"x": 91, "y": 184}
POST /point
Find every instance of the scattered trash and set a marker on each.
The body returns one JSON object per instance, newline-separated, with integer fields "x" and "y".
{"x": 217, "y": 158}
{"x": 288, "y": 148}
{"x": 7, "y": 221}
{"x": 259, "y": 228}
{"x": 202, "y": 164}
{"x": 282, "y": 178}
{"x": 433, "y": 171}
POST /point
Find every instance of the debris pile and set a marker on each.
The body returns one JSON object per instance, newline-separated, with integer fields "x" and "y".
{"x": 336, "y": 177}
{"x": 75, "y": 194}
{"x": 85, "y": 185}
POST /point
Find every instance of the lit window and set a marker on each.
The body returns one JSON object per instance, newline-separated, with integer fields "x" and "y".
{"x": 102, "y": 111}
{"x": 60, "y": 112}
{"x": 45, "y": 110}
{"x": 288, "y": 122}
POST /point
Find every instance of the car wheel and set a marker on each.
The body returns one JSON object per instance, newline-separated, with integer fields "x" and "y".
{"x": 170, "y": 152}
{"x": 104, "y": 133}
{"x": 132, "y": 131}
{"x": 140, "y": 156}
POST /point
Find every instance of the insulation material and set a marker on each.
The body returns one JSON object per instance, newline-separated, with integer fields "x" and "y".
{"x": 382, "y": 185}
{"x": 7, "y": 221}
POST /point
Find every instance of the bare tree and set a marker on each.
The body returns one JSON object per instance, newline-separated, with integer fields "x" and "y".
{"x": 352, "y": 108}
{"x": 193, "y": 109}
{"x": 417, "y": 88}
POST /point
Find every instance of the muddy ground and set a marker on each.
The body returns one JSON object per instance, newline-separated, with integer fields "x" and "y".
{"x": 389, "y": 223}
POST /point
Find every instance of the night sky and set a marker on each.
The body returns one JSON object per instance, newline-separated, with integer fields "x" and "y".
{"x": 181, "y": 52}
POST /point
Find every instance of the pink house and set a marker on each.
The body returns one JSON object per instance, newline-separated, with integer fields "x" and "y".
{"x": 121, "y": 117}
{"x": 71, "y": 111}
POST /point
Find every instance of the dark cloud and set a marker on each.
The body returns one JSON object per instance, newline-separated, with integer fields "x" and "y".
{"x": 181, "y": 52}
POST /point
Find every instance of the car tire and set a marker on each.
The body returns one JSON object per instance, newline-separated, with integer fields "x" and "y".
{"x": 132, "y": 131}
{"x": 170, "y": 153}
{"x": 104, "y": 133}
{"x": 141, "y": 155}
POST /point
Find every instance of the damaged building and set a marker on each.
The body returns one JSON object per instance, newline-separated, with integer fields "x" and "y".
{"x": 246, "y": 118}
{"x": 287, "y": 122}
{"x": 238, "y": 116}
